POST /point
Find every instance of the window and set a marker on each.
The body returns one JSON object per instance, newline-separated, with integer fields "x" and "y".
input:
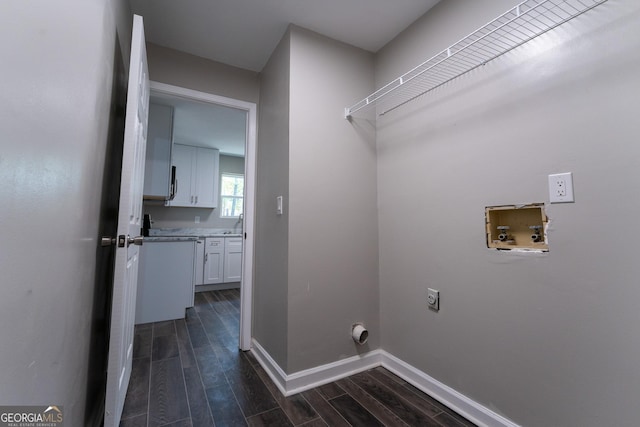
{"x": 231, "y": 192}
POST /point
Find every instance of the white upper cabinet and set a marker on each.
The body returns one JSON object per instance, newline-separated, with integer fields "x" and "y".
{"x": 157, "y": 172}
{"x": 182, "y": 160}
{"x": 206, "y": 176}
{"x": 196, "y": 176}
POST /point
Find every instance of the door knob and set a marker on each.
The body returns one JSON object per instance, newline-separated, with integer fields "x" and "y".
{"x": 107, "y": 241}
{"x": 122, "y": 241}
{"x": 138, "y": 240}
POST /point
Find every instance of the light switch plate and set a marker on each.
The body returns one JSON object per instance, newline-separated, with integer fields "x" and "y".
{"x": 561, "y": 188}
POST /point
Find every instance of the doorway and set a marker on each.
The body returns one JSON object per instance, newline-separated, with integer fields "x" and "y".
{"x": 250, "y": 140}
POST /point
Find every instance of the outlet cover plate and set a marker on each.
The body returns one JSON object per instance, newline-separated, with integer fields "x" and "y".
{"x": 561, "y": 188}
{"x": 433, "y": 299}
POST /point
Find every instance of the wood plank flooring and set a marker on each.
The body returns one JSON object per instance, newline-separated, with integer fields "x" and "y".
{"x": 190, "y": 373}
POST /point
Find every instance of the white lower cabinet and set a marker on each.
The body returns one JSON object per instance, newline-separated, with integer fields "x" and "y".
{"x": 232, "y": 259}
{"x": 220, "y": 260}
{"x": 165, "y": 281}
{"x": 213, "y": 260}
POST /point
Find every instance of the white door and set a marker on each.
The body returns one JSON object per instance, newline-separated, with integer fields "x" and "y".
{"x": 129, "y": 223}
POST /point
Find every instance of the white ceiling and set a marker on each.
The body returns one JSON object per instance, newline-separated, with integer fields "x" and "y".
{"x": 206, "y": 125}
{"x": 244, "y": 33}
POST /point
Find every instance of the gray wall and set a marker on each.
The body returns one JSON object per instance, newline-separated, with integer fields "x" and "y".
{"x": 272, "y": 180}
{"x": 316, "y": 265}
{"x": 333, "y": 277}
{"x": 174, "y": 217}
{"x": 192, "y": 72}
{"x": 542, "y": 339}
{"x": 55, "y": 120}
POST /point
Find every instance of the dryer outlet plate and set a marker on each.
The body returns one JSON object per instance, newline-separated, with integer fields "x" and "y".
{"x": 433, "y": 299}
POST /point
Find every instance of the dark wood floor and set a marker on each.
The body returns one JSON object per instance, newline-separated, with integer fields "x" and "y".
{"x": 190, "y": 373}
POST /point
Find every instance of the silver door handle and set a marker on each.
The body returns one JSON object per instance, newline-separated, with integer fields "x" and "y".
{"x": 138, "y": 240}
{"x": 174, "y": 190}
{"x": 122, "y": 240}
{"x": 107, "y": 241}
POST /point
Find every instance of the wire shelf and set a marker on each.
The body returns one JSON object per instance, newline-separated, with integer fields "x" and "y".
{"x": 513, "y": 28}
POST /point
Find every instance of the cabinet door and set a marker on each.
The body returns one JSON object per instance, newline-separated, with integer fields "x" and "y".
{"x": 157, "y": 171}
{"x": 213, "y": 260}
{"x": 199, "y": 276}
{"x": 233, "y": 259}
{"x": 182, "y": 160}
{"x": 206, "y": 177}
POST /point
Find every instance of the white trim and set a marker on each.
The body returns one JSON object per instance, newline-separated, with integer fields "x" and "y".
{"x": 272, "y": 368}
{"x": 246, "y": 288}
{"x": 463, "y": 405}
{"x": 248, "y": 224}
{"x": 314, "y": 377}
{"x": 324, "y": 374}
{"x": 218, "y": 287}
{"x": 182, "y": 92}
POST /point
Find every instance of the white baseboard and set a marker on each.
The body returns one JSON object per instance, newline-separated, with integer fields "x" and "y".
{"x": 218, "y": 287}
{"x": 274, "y": 371}
{"x": 314, "y": 377}
{"x": 289, "y": 384}
{"x": 454, "y": 400}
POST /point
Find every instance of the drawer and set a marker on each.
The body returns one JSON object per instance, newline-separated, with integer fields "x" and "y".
{"x": 214, "y": 242}
{"x": 234, "y": 243}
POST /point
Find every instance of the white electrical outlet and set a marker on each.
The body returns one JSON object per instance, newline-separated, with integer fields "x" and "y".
{"x": 561, "y": 188}
{"x": 433, "y": 299}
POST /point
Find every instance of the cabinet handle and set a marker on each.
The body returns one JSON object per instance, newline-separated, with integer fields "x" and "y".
{"x": 196, "y": 200}
{"x": 206, "y": 257}
{"x": 175, "y": 189}
{"x": 191, "y": 199}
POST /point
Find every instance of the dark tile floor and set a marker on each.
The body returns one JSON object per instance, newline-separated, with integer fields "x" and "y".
{"x": 190, "y": 373}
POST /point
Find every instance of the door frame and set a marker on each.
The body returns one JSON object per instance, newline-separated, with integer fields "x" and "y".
{"x": 248, "y": 223}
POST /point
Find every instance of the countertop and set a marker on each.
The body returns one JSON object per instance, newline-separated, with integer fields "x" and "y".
{"x": 191, "y": 233}
{"x": 171, "y": 238}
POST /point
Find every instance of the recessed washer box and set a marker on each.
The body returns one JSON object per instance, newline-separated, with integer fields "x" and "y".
{"x": 517, "y": 227}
